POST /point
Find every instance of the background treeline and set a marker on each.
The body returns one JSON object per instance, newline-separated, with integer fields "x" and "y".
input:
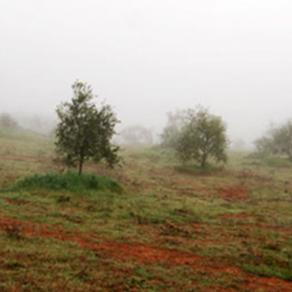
{"x": 88, "y": 131}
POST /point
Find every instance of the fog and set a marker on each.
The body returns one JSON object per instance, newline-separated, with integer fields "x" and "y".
{"x": 147, "y": 58}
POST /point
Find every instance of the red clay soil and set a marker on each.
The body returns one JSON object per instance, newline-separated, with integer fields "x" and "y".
{"x": 241, "y": 215}
{"x": 269, "y": 285}
{"x": 147, "y": 254}
{"x": 236, "y": 193}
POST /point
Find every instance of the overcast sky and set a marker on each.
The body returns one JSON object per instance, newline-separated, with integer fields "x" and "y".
{"x": 148, "y": 57}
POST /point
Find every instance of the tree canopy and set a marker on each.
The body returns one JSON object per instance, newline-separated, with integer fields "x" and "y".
{"x": 197, "y": 135}
{"x": 84, "y": 131}
{"x": 278, "y": 140}
{"x": 175, "y": 123}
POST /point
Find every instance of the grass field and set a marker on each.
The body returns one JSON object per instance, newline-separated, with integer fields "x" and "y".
{"x": 168, "y": 228}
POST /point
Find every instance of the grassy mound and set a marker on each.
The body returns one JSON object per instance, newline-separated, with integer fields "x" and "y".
{"x": 70, "y": 181}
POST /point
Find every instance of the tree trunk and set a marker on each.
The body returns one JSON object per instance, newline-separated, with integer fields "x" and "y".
{"x": 204, "y": 160}
{"x": 80, "y": 168}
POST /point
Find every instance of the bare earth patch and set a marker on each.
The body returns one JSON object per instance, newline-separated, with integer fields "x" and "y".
{"x": 235, "y": 193}
{"x": 146, "y": 254}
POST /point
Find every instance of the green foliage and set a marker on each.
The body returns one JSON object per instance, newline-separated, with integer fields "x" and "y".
{"x": 171, "y": 133}
{"x": 70, "y": 181}
{"x": 277, "y": 141}
{"x": 203, "y": 136}
{"x": 84, "y": 132}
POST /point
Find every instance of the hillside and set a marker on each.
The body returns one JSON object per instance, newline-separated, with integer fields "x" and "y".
{"x": 171, "y": 228}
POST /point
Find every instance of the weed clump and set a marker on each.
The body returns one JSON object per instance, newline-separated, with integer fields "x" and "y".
{"x": 70, "y": 181}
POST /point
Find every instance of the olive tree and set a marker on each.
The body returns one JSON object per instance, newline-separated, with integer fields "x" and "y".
{"x": 203, "y": 136}
{"x": 84, "y": 131}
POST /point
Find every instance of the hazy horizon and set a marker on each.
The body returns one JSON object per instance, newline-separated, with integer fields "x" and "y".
{"x": 147, "y": 58}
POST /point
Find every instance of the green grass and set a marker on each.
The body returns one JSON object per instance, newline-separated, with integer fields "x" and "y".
{"x": 153, "y": 202}
{"x": 70, "y": 181}
{"x": 270, "y": 270}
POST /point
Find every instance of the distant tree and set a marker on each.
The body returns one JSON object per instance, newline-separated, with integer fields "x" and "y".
{"x": 175, "y": 123}
{"x": 136, "y": 135}
{"x": 6, "y": 121}
{"x": 277, "y": 141}
{"x": 202, "y": 136}
{"x": 84, "y": 132}
{"x": 264, "y": 146}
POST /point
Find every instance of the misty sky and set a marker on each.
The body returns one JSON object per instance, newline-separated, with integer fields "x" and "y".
{"x": 149, "y": 57}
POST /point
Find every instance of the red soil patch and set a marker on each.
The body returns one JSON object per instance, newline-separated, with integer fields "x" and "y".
{"x": 151, "y": 255}
{"x": 139, "y": 252}
{"x": 147, "y": 254}
{"x": 269, "y": 285}
{"x": 236, "y": 193}
{"x": 242, "y": 215}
